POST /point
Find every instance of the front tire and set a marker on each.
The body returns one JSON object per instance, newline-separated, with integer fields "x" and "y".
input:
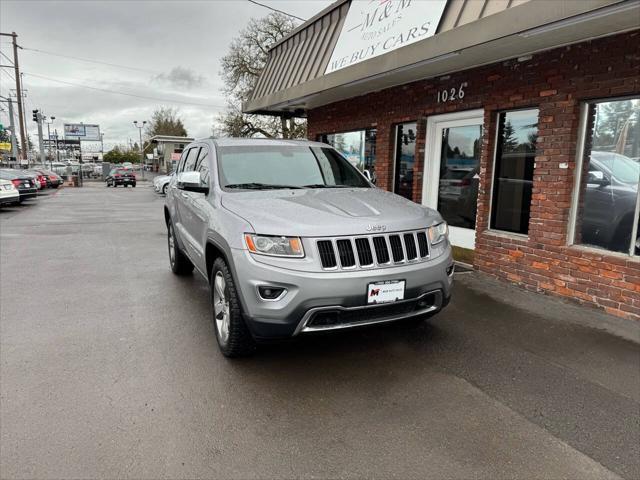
{"x": 234, "y": 338}
{"x": 164, "y": 189}
{"x": 180, "y": 264}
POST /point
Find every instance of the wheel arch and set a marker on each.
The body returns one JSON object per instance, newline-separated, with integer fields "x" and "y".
{"x": 213, "y": 251}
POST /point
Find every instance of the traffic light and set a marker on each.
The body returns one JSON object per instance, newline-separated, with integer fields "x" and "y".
{"x": 35, "y": 115}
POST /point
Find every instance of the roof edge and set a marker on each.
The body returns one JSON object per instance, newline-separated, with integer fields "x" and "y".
{"x": 311, "y": 21}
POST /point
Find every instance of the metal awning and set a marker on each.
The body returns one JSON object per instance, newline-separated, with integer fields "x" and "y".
{"x": 471, "y": 33}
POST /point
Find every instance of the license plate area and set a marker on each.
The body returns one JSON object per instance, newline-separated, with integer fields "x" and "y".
{"x": 386, "y": 291}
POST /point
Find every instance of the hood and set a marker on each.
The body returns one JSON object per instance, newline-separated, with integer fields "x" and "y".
{"x": 328, "y": 212}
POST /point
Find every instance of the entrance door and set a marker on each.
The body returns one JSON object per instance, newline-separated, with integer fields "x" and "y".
{"x": 451, "y": 171}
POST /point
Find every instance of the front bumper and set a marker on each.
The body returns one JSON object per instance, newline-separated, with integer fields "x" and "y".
{"x": 313, "y": 297}
{"x": 28, "y": 193}
{"x": 8, "y": 199}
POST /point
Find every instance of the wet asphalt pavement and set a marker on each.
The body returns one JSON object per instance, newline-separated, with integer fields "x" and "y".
{"x": 109, "y": 369}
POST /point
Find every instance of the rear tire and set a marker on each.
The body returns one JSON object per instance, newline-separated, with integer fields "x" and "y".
{"x": 234, "y": 338}
{"x": 164, "y": 189}
{"x": 180, "y": 264}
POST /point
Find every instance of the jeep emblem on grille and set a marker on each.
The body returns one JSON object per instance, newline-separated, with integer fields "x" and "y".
{"x": 376, "y": 228}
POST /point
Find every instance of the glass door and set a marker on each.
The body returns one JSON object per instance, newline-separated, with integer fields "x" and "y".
{"x": 452, "y": 172}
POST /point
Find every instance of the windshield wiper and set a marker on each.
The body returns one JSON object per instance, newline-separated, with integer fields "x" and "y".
{"x": 258, "y": 186}
{"x": 322, "y": 185}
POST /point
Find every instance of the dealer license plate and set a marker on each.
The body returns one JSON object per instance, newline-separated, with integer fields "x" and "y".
{"x": 385, "y": 292}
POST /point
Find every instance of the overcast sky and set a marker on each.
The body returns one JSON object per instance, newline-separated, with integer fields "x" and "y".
{"x": 177, "y": 45}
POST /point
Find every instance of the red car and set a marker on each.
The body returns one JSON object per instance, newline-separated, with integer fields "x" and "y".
{"x": 39, "y": 178}
{"x": 53, "y": 179}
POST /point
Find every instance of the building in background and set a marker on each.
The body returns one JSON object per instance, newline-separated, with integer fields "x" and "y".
{"x": 519, "y": 120}
{"x": 166, "y": 151}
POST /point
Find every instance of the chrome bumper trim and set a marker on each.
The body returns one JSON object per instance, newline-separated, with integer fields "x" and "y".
{"x": 303, "y": 328}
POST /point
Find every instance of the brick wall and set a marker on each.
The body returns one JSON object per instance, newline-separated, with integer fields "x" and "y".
{"x": 556, "y": 82}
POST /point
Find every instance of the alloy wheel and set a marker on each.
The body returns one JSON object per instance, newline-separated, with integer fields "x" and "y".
{"x": 172, "y": 246}
{"x": 221, "y": 307}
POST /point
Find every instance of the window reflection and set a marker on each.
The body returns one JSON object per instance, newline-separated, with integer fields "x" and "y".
{"x": 513, "y": 173}
{"x": 459, "y": 175}
{"x": 405, "y": 159}
{"x": 359, "y": 147}
{"x": 610, "y": 176}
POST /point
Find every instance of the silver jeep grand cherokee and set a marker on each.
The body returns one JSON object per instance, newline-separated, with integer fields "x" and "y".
{"x": 293, "y": 239}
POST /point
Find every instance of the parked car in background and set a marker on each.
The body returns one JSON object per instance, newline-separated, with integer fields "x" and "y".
{"x": 161, "y": 183}
{"x": 8, "y": 193}
{"x": 23, "y": 182}
{"x": 610, "y": 201}
{"x": 40, "y": 179}
{"x": 54, "y": 180}
{"x": 121, "y": 176}
{"x": 293, "y": 239}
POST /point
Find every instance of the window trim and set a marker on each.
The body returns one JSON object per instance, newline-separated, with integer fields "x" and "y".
{"x": 493, "y": 171}
{"x": 577, "y": 181}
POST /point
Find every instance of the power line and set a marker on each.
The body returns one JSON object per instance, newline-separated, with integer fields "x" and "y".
{"x": 10, "y": 61}
{"x": 123, "y": 93}
{"x": 10, "y": 76}
{"x": 90, "y": 60}
{"x": 276, "y": 10}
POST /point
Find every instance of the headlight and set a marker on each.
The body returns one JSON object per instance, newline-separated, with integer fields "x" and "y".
{"x": 438, "y": 233}
{"x": 272, "y": 245}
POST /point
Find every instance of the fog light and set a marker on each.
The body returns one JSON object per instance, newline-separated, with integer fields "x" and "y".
{"x": 270, "y": 293}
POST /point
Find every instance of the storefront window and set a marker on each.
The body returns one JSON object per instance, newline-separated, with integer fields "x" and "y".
{"x": 513, "y": 171}
{"x": 608, "y": 208}
{"x": 405, "y": 159}
{"x": 359, "y": 147}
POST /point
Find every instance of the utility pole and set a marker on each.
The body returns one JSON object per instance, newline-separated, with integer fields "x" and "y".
{"x": 140, "y": 127}
{"x": 57, "y": 149}
{"x": 23, "y": 134}
{"x": 24, "y": 114}
{"x": 101, "y": 146}
{"x": 49, "y": 121}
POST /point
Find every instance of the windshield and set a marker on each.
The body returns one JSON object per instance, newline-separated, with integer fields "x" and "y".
{"x": 269, "y": 166}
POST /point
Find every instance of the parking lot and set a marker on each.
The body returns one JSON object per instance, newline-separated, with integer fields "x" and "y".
{"x": 110, "y": 369}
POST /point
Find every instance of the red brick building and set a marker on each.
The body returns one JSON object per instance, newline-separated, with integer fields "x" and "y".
{"x": 518, "y": 120}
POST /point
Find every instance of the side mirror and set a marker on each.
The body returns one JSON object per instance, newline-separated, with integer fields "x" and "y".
{"x": 191, "y": 182}
{"x": 596, "y": 177}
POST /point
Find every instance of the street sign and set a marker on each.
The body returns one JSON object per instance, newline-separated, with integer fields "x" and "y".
{"x": 81, "y": 131}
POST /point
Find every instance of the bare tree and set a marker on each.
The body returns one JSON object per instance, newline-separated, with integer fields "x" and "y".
{"x": 166, "y": 121}
{"x": 241, "y": 68}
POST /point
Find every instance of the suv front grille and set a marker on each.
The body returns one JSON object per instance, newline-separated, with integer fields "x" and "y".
{"x": 345, "y": 251}
{"x": 327, "y": 255}
{"x": 358, "y": 252}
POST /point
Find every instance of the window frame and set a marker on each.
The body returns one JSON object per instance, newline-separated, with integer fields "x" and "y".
{"x": 577, "y": 183}
{"x": 493, "y": 170}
